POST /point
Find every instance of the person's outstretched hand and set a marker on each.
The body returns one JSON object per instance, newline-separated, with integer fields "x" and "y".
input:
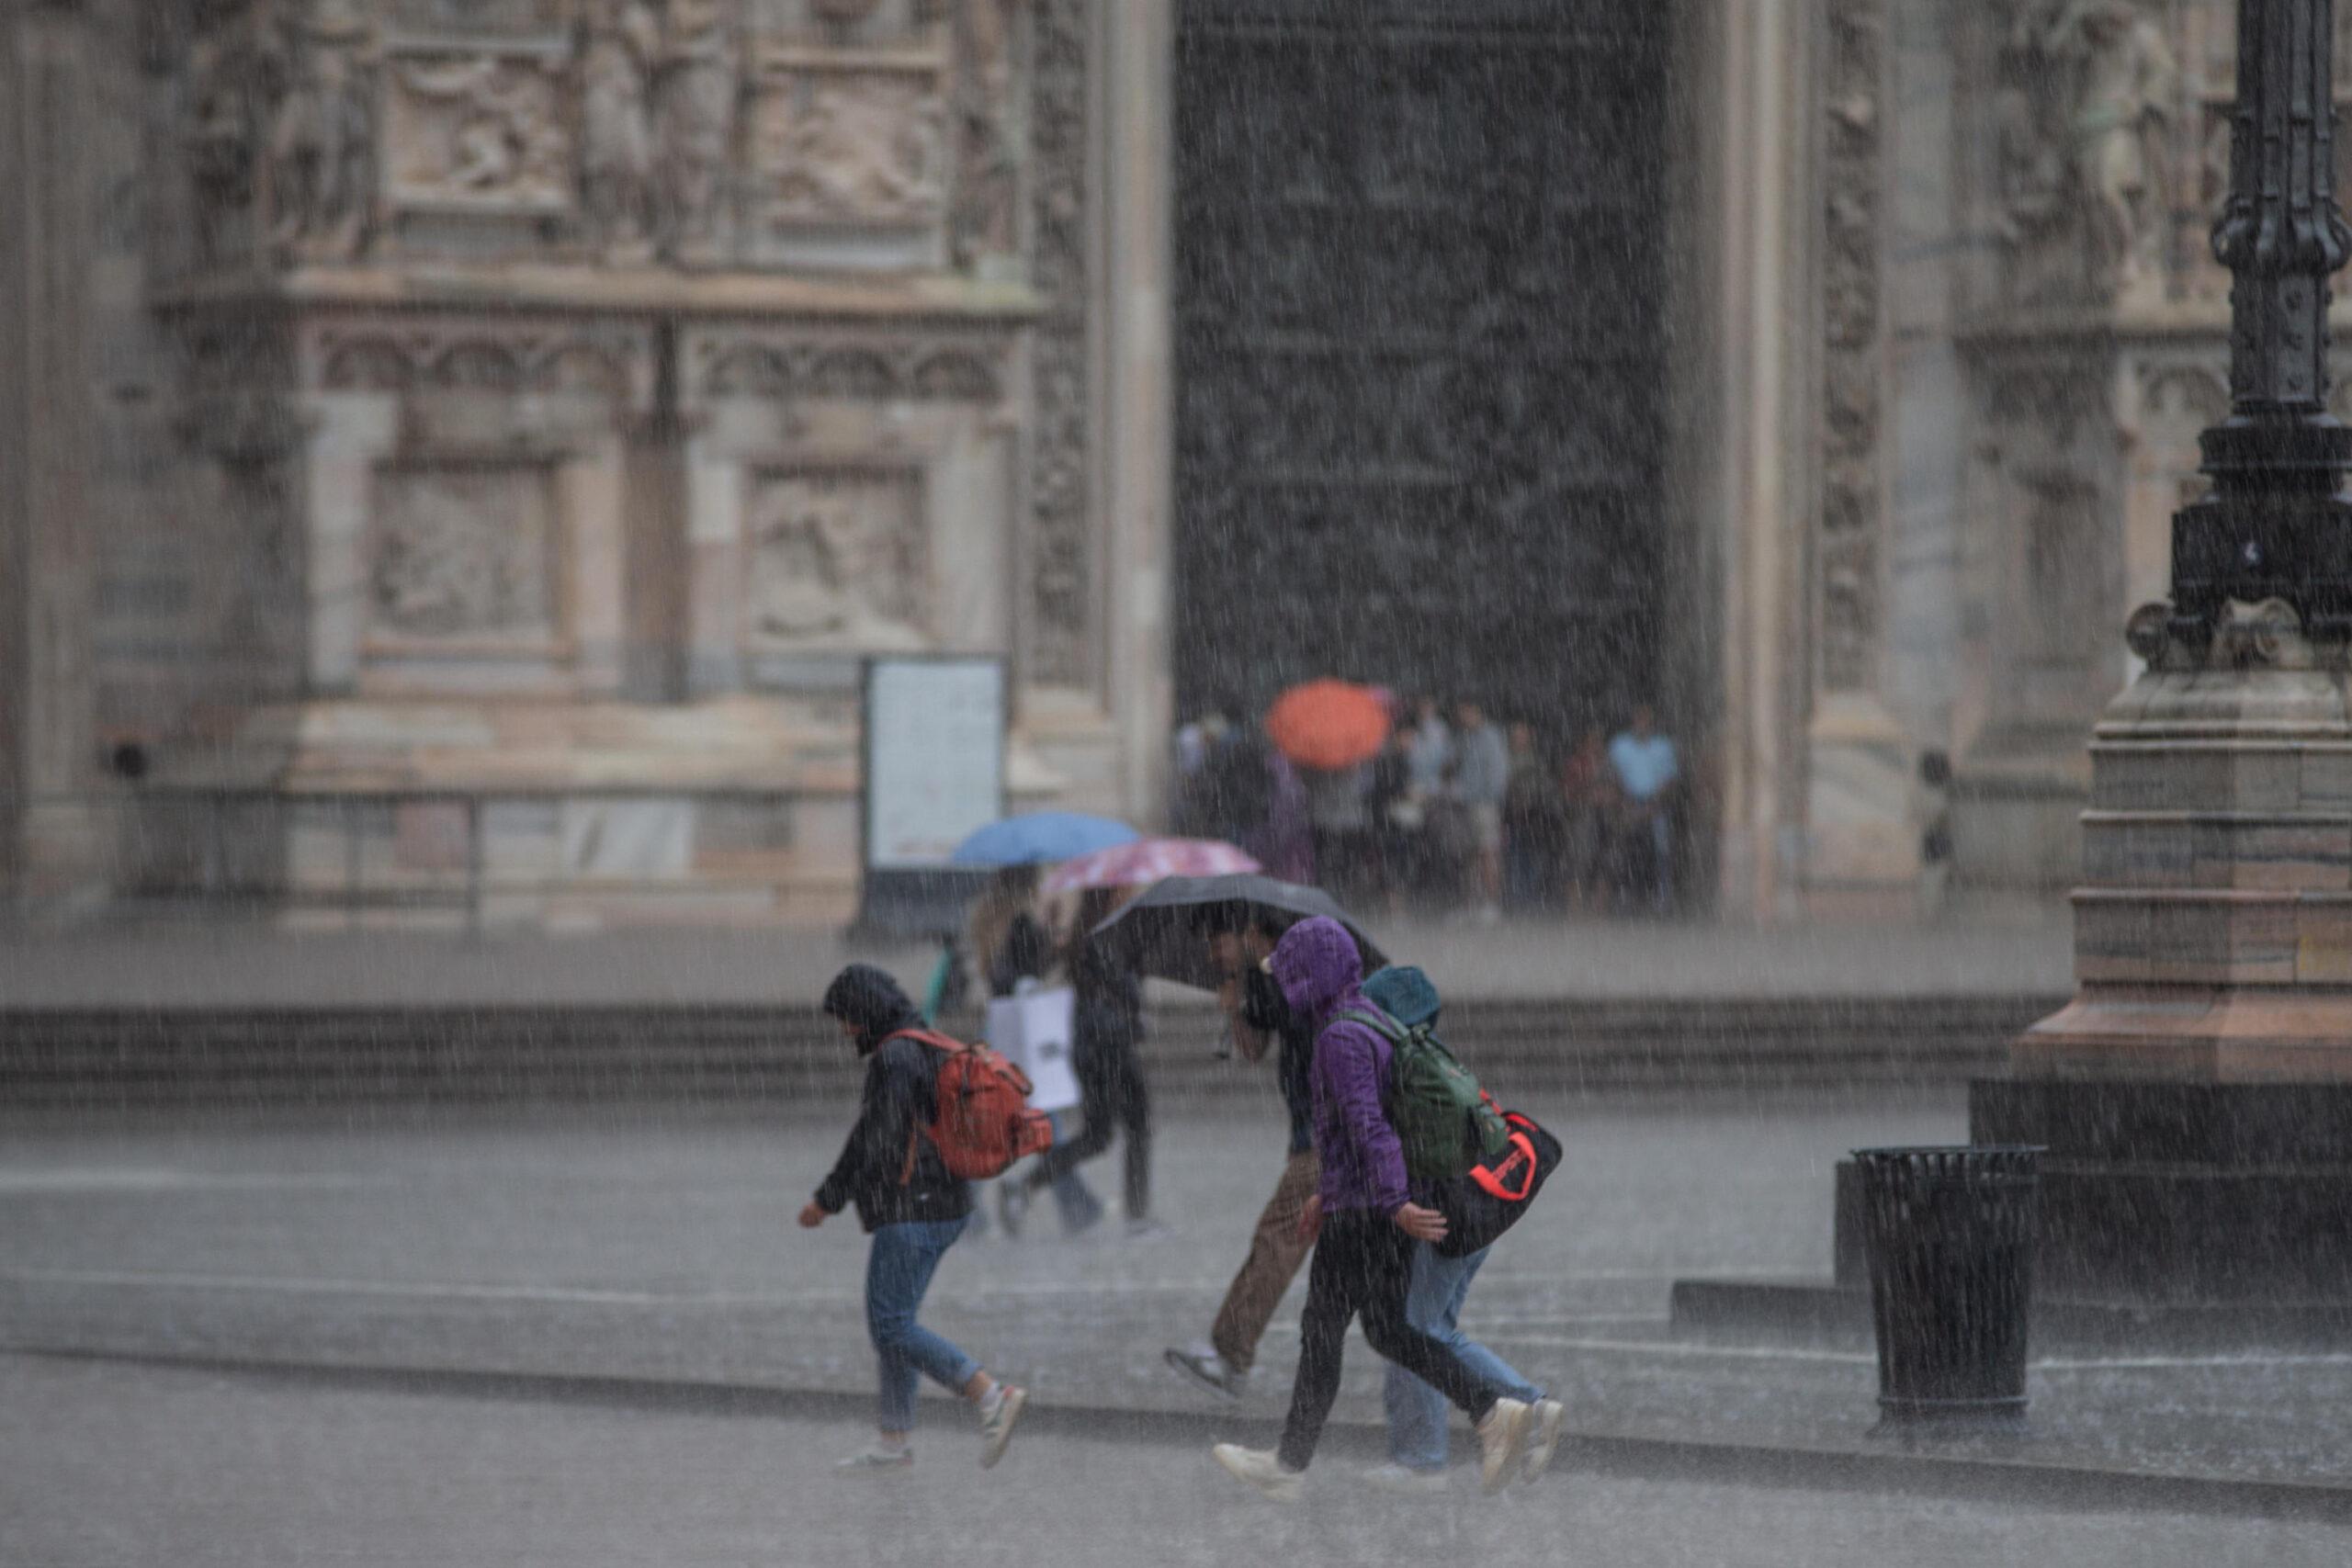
{"x": 811, "y": 1216}
{"x": 1421, "y": 1225}
{"x": 1310, "y": 1219}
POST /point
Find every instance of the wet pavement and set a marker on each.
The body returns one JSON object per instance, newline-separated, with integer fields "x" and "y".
{"x": 116, "y": 1466}
{"x": 609, "y": 1250}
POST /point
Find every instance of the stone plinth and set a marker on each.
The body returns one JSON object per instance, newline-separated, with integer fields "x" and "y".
{"x": 2213, "y": 932}
{"x": 2195, "y": 1098}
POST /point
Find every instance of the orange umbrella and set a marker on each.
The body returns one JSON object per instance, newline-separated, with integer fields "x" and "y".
{"x": 1327, "y": 724}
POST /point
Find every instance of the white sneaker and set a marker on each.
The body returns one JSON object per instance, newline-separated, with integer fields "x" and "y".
{"x": 1394, "y": 1477}
{"x": 1205, "y": 1366}
{"x": 997, "y": 1417}
{"x": 1261, "y": 1469}
{"x": 877, "y": 1462}
{"x": 1502, "y": 1436}
{"x": 1543, "y": 1437}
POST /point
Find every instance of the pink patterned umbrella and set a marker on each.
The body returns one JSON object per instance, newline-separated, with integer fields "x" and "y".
{"x": 1147, "y": 860}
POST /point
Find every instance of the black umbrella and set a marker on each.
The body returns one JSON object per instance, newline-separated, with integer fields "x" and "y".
{"x": 1161, "y": 925}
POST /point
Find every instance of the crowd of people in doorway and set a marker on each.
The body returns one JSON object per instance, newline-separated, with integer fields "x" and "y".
{"x": 1458, "y": 812}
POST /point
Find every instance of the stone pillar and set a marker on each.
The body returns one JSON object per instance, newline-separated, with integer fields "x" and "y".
{"x": 48, "y": 835}
{"x": 1138, "y": 390}
{"x": 1860, "y": 843}
{"x": 1752, "y": 66}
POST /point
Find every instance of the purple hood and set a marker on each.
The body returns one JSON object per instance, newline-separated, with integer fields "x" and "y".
{"x": 1318, "y": 969}
{"x": 1321, "y": 971}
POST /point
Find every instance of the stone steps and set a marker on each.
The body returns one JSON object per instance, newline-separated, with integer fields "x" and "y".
{"x": 100, "y": 1060}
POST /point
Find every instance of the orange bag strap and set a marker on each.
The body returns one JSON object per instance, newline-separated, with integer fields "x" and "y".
{"x": 1490, "y": 1178}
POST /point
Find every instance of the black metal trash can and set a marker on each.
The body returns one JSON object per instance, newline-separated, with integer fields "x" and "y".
{"x": 1950, "y": 1235}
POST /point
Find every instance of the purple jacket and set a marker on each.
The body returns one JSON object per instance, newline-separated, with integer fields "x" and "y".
{"x": 1318, "y": 969}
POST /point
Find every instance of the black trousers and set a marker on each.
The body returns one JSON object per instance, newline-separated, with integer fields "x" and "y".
{"x": 1112, "y": 1098}
{"x": 1364, "y": 1264}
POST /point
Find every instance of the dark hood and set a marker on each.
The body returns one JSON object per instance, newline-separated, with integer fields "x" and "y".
{"x": 868, "y": 998}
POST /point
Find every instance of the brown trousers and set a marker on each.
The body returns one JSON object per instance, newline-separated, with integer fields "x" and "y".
{"x": 1275, "y": 1254}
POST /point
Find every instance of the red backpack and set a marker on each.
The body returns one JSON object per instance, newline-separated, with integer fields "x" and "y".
{"x": 983, "y": 1123}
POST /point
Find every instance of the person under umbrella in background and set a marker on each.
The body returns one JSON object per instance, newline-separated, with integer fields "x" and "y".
{"x": 913, "y": 1208}
{"x": 1239, "y": 938}
{"x": 1106, "y": 1029}
{"x": 1367, "y": 1226}
{"x": 1010, "y": 945}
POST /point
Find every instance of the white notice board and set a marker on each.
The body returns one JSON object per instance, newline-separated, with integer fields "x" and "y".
{"x": 934, "y": 757}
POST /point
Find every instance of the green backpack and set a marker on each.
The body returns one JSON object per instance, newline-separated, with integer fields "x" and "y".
{"x": 1445, "y": 1120}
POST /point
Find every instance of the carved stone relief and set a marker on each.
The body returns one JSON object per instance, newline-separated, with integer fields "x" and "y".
{"x": 222, "y": 131}
{"x": 837, "y": 559}
{"x": 850, "y": 147}
{"x": 582, "y": 357}
{"x": 695, "y": 99}
{"x": 663, "y": 124}
{"x": 1852, "y": 493}
{"x": 2086, "y": 108}
{"x": 1057, "y": 620}
{"x": 481, "y": 131}
{"x": 2047, "y": 490}
{"x": 463, "y": 552}
{"x": 987, "y": 159}
{"x": 621, "y": 46}
{"x": 784, "y": 365}
{"x": 500, "y": 18}
{"x": 320, "y": 167}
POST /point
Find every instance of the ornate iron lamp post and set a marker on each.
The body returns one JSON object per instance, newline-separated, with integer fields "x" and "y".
{"x": 2277, "y": 523}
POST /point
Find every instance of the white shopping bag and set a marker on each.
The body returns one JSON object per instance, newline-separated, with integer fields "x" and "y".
{"x": 1034, "y": 1032}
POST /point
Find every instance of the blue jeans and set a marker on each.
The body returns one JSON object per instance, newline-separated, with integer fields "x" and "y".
{"x": 898, "y": 1271}
{"x": 1417, "y": 1436}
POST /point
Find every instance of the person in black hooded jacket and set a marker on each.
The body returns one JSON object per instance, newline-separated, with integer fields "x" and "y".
{"x": 912, "y": 1207}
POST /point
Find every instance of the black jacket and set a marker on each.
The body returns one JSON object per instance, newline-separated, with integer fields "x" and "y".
{"x": 889, "y": 1167}
{"x": 898, "y": 1101}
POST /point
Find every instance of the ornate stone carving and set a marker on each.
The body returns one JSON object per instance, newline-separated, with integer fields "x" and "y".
{"x": 2086, "y": 95}
{"x": 222, "y": 133}
{"x": 573, "y": 357}
{"x": 621, "y": 44}
{"x": 1058, "y": 623}
{"x": 781, "y": 364}
{"x": 695, "y": 99}
{"x": 837, "y": 560}
{"x": 2125, "y": 81}
{"x": 463, "y": 552}
{"x": 1846, "y": 552}
{"x": 851, "y": 147}
{"x": 320, "y": 172}
{"x": 988, "y": 161}
{"x": 479, "y": 132}
{"x": 506, "y": 19}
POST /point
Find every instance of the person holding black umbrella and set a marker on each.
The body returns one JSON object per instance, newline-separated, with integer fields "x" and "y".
{"x": 1240, "y": 936}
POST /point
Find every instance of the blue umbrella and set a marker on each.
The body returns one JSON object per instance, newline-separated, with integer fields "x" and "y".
{"x": 1039, "y": 838}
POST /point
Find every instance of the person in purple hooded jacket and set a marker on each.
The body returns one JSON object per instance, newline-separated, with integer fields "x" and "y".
{"x": 1364, "y": 1256}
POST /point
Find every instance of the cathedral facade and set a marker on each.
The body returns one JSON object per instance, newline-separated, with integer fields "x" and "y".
{"x": 466, "y": 446}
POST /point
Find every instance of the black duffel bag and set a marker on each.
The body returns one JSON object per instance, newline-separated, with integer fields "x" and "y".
{"x": 1488, "y": 1202}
